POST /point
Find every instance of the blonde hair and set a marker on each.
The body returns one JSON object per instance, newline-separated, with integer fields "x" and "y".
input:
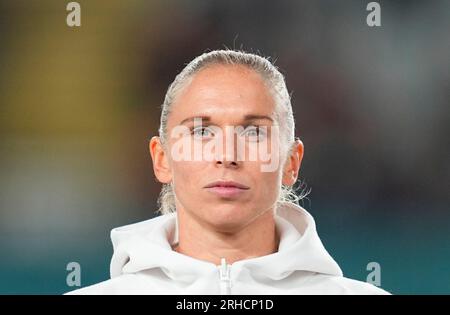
{"x": 277, "y": 86}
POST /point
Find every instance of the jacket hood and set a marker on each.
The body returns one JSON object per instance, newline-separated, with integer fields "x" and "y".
{"x": 148, "y": 245}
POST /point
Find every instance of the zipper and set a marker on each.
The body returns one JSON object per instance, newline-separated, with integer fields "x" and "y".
{"x": 225, "y": 279}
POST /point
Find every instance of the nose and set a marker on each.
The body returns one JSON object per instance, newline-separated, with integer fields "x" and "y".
{"x": 228, "y": 160}
{"x": 228, "y": 164}
{"x": 229, "y": 156}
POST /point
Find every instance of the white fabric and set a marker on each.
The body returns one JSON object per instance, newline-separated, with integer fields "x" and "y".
{"x": 144, "y": 263}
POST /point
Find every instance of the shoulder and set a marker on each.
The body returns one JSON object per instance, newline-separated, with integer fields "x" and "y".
{"x": 341, "y": 285}
{"x": 124, "y": 284}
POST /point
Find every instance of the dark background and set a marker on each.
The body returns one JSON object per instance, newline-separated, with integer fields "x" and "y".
{"x": 78, "y": 105}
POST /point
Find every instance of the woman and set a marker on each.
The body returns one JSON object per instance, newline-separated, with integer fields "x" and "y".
{"x": 230, "y": 222}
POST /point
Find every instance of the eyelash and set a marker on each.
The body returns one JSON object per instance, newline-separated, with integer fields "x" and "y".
{"x": 260, "y": 131}
{"x": 193, "y": 130}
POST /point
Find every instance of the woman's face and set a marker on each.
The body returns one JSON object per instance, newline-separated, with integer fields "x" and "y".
{"x": 235, "y": 106}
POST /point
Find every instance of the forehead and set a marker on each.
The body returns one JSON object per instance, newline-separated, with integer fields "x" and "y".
{"x": 225, "y": 93}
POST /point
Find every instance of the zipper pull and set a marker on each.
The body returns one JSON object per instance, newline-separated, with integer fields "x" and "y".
{"x": 224, "y": 270}
{"x": 225, "y": 284}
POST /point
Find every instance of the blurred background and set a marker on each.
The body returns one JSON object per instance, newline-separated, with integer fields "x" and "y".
{"x": 78, "y": 106}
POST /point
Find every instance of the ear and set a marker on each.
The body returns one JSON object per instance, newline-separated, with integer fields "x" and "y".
{"x": 293, "y": 162}
{"x": 161, "y": 165}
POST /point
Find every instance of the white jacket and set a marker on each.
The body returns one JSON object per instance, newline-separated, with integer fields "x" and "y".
{"x": 144, "y": 263}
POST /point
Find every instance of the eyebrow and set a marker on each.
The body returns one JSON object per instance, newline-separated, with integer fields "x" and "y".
{"x": 247, "y": 118}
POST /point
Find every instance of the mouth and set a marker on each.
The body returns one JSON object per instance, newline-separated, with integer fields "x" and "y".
{"x": 227, "y": 189}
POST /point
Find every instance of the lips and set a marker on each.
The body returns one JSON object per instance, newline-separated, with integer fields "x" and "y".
{"x": 227, "y": 189}
{"x": 226, "y": 184}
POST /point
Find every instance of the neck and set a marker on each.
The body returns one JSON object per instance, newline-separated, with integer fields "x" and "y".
{"x": 200, "y": 241}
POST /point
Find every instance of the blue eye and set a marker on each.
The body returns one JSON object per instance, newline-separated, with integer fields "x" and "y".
{"x": 255, "y": 133}
{"x": 201, "y": 132}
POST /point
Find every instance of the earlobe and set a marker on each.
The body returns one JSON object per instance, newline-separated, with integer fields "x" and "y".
{"x": 161, "y": 166}
{"x": 289, "y": 178}
{"x": 293, "y": 163}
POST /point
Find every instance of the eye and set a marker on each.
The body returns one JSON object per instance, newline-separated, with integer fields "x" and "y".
{"x": 255, "y": 133}
{"x": 201, "y": 132}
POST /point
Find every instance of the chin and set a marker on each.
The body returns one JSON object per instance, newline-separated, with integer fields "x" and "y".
{"x": 228, "y": 217}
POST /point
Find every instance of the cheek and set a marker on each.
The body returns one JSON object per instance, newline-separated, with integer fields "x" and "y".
{"x": 185, "y": 172}
{"x": 179, "y": 171}
{"x": 272, "y": 183}
{"x": 187, "y": 183}
{"x": 267, "y": 185}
